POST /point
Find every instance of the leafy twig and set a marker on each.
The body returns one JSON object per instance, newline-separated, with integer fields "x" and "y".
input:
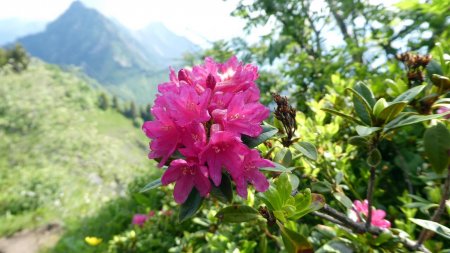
{"x": 437, "y": 214}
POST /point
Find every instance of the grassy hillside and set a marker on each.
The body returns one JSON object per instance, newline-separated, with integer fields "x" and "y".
{"x": 61, "y": 156}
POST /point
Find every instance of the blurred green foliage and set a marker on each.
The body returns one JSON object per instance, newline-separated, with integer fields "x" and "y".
{"x": 62, "y": 156}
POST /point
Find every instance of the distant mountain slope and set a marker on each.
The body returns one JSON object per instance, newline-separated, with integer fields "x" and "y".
{"x": 85, "y": 38}
{"x": 62, "y": 156}
{"x": 108, "y": 52}
{"x": 157, "y": 39}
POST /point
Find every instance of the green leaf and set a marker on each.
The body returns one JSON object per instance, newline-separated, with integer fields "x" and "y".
{"x": 191, "y": 206}
{"x": 336, "y": 246}
{"x": 307, "y": 149}
{"x": 278, "y": 168}
{"x": 374, "y": 158}
{"x": 409, "y": 119}
{"x": 366, "y": 93}
{"x": 303, "y": 199}
{"x": 224, "y": 192}
{"x": 317, "y": 201}
{"x": 434, "y": 68}
{"x": 321, "y": 186}
{"x": 433, "y": 226}
{"x": 441, "y": 81}
{"x": 271, "y": 198}
{"x": 343, "y": 115}
{"x": 379, "y": 106}
{"x": 437, "y": 145}
{"x": 362, "y": 107}
{"x": 284, "y": 156}
{"x": 237, "y": 214}
{"x": 341, "y": 197}
{"x": 294, "y": 181}
{"x": 267, "y": 133}
{"x": 151, "y": 185}
{"x": 358, "y": 141}
{"x": 365, "y": 131}
{"x": 410, "y": 94}
{"x": 283, "y": 187}
{"x": 294, "y": 242}
{"x": 390, "y": 112}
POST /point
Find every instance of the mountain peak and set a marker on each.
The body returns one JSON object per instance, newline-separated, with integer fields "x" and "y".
{"x": 77, "y": 5}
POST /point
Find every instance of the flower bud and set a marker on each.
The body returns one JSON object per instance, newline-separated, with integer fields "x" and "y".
{"x": 183, "y": 75}
{"x": 210, "y": 82}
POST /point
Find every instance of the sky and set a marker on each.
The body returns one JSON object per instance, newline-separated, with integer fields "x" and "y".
{"x": 199, "y": 20}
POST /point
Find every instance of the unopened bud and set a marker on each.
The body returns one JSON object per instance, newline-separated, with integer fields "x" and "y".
{"x": 210, "y": 82}
{"x": 183, "y": 75}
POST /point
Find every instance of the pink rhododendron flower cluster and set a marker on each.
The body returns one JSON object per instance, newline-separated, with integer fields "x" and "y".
{"x": 202, "y": 113}
{"x": 362, "y": 208}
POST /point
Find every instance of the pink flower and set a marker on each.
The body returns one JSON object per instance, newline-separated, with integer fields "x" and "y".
{"x": 139, "y": 219}
{"x": 242, "y": 118}
{"x": 165, "y": 135}
{"x": 362, "y": 208}
{"x": 250, "y": 173}
{"x": 223, "y": 150}
{"x": 201, "y": 114}
{"x": 444, "y": 109}
{"x": 188, "y": 106}
{"x": 193, "y": 137}
{"x": 186, "y": 175}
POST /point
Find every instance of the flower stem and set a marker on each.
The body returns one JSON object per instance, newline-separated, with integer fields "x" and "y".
{"x": 333, "y": 215}
{"x": 437, "y": 214}
{"x": 370, "y": 189}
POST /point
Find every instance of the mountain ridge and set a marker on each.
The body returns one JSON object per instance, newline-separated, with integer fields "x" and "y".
{"x": 128, "y": 64}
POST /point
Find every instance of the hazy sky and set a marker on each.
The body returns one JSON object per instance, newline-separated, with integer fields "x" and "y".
{"x": 196, "y": 19}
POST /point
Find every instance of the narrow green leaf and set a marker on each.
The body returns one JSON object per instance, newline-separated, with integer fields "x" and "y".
{"x": 191, "y": 206}
{"x": 433, "y": 226}
{"x": 365, "y": 131}
{"x": 278, "y": 168}
{"x": 366, "y": 93}
{"x": 283, "y": 187}
{"x": 434, "y": 68}
{"x": 294, "y": 242}
{"x": 224, "y": 192}
{"x": 358, "y": 141}
{"x": 341, "y": 197}
{"x": 392, "y": 110}
{"x": 307, "y": 149}
{"x": 294, "y": 181}
{"x": 237, "y": 214}
{"x": 343, "y": 115}
{"x": 151, "y": 185}
{"x": 410, "y": 94}
{"x": 267, "y": 133}
{"x": 362, "y": 107}
{"x": 321, "y": 186}
{"x": 409, "y": 119}
{"x": 437, "y": 144}
{"x": 379, "y": 106}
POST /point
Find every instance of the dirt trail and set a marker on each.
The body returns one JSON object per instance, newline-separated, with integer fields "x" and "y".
{"x": 31, "y": 241}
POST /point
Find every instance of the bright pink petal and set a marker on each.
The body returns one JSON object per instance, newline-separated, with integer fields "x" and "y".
{"x": 182, "y": 189}
{"x": 258, "y": 180}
